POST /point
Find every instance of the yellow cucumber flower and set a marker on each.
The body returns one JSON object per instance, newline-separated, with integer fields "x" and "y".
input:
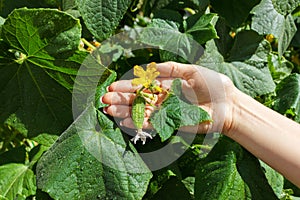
{"x": 145, "y": 77}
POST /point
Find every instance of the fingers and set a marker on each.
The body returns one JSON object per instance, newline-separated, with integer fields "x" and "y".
{"x": 124, "y": 111}
{"x": 176, "y": 70}
{"x": 122, "y": 86}
{"x": 118, "y": 98}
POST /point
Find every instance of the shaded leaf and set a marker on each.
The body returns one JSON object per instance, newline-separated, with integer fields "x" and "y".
{"x": 170, "y": 17}
{"x": 35, "y": 80}
{"x": 246, "y": 65}
{"x": 229, "y": 172}
{"x": 16, "y": 180}
{"x": 225, "y": 41}
{"x": 235, "y": 12}
{"x": 102, "y": 17}
{"x": 14, "y": 155}
{"x": 7, "y": 6}
{"x": 157, "y": 5}
{"x": 266, "y": 20}
{"x": 287, "y": 100}
{"x": 178, "y": 189}
{"x": 87, "y": 162}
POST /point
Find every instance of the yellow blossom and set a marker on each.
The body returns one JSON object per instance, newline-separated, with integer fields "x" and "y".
{"x": 145, "y": 77}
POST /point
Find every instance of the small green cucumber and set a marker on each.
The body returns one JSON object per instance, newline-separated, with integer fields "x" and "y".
{"x": 138, "y": 111}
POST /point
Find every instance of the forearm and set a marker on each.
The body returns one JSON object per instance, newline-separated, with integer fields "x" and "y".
{"x": 270, "y": 136}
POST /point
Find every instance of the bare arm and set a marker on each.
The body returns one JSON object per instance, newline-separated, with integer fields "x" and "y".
{"x": 270, "y": 136}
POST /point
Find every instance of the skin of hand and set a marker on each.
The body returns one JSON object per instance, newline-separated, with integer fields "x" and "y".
{"x": 268, "y": 135}
{"x": 196, "y": 86}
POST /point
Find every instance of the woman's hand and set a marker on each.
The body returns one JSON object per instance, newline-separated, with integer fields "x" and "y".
{"x": 201, "y": 86}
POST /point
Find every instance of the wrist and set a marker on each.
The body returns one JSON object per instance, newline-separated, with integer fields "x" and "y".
{"x": 234, "y": 112}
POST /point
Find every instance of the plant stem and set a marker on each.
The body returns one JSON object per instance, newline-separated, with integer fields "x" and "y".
{"x": 88, "y": 44}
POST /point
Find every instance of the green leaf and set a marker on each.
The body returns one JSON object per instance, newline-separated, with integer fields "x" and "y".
{"x": 275, "y": 179}
{"x": 68, "y": 4}
{"x": 175, "y": 113}
{"x": 91, "y": 161}
{"x": 229, "y": 172}
{"x": 102, "y": 17}
{"x": 201, "y": 27}
{"x": 266, "y": 20}
{"x": 45, "y": 139}
{"x": 166, "y": 35}
{"x": 169, "y": 16}
{"x": 13, "y": 123}
{"x": 189, "y": 183}
{"x": 285, "y": 7}
{"x": 279, "y": 68}
{"x": 101, "y": 89}
{"x": 287, "y": 100}
{"x": 168, "y": 38}
{"x": 235, "y": 12}
{"x": 246, "y": 64}
{"x": 7, "y": 6}
{"x": 34, "y": 80}
{"x": 16, "y": 180}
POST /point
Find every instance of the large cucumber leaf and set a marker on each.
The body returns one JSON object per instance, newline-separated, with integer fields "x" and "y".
{"x": 102, "y": 17}
{"x": 273, "y": 17}
{"x": 246, "y": 64}
{"x": 38, "y": 62}
{"x": 230, "y": 172}
{"x": 180, "y": 38}
{"x": 90, "y": 161}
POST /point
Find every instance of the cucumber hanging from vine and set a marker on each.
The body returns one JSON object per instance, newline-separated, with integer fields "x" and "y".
{"x": 138, "y": 110}
{"x": 138, "y": 116}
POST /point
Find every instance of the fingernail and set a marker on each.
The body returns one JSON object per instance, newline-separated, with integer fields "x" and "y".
{"x": 105, "y": 110}
{"x": 121, "y": 123}
{"x": 107, "y": 89}
{"x": 101, "y": 99}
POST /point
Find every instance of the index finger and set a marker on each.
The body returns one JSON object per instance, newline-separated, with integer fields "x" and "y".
{"x": 175, "y": 70}
{"x": 122, "y": 86}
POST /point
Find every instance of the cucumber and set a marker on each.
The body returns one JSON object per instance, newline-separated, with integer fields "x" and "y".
{"x": 138, "y": 111}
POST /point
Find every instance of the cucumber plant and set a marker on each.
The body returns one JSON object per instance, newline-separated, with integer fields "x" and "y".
{"x": 46, "y": 154}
